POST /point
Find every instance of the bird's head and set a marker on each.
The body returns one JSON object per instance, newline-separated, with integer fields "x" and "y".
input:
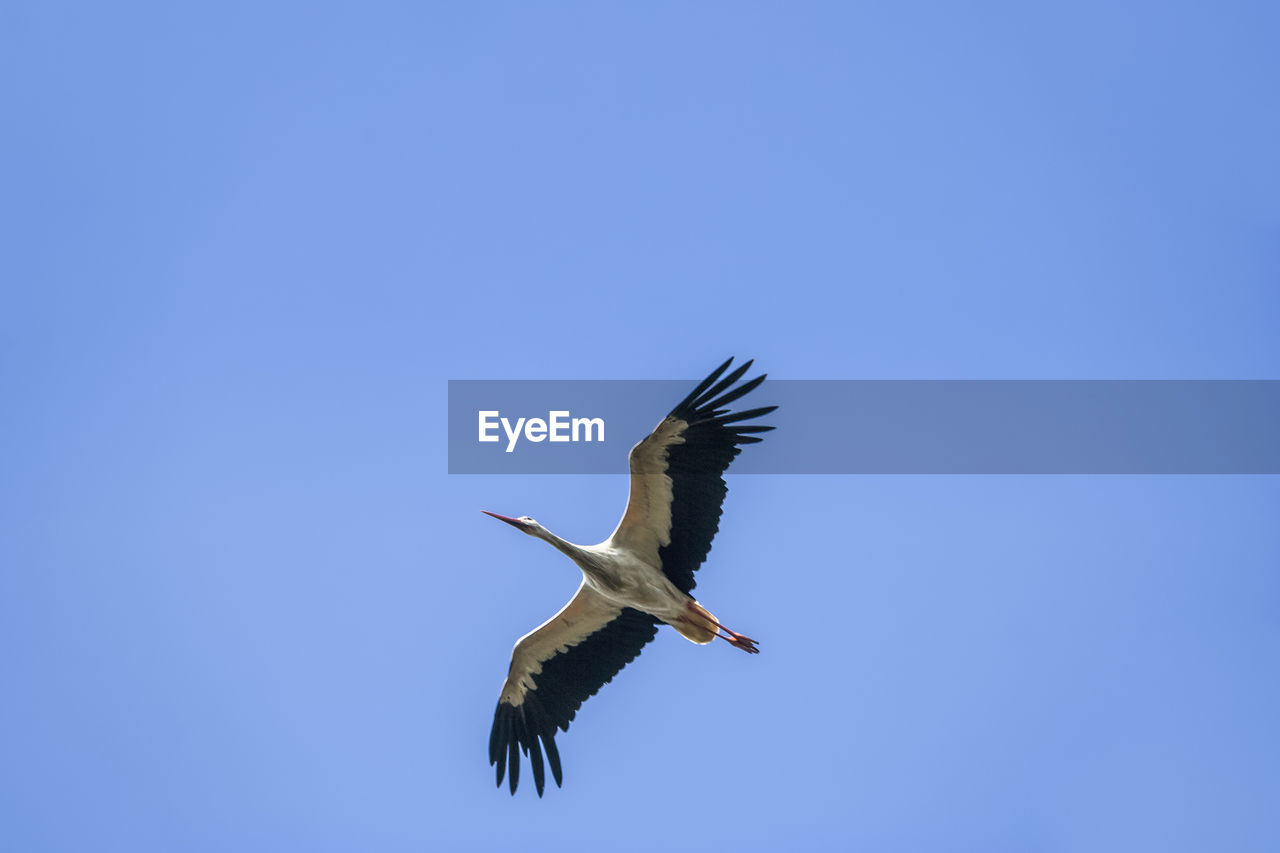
{"x": 524, "y": 523}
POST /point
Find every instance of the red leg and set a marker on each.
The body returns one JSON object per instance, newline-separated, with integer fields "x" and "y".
{"x": 740, "y": 641}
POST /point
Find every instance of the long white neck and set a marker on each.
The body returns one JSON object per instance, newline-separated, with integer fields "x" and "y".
{"x": 587, "y": 559}
{"x": 564, "y": 546}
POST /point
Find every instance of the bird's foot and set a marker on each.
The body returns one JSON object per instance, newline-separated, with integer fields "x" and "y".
{"x": 741, "y": 641}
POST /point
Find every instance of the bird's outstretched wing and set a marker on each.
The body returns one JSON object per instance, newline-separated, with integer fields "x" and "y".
{"x": 677, "y": 486}
{"x": 554, "y": 669}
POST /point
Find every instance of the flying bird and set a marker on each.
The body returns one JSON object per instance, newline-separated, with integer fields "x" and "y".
{"x": 638, "y": 578}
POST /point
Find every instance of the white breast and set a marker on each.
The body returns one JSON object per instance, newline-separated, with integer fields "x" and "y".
{"x": 628, "y": 581}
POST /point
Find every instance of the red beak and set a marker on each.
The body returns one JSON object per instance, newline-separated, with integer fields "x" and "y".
{"x": 514, "y": 522}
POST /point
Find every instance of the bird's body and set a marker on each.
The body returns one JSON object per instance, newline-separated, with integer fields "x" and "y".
{"x": 639, "y": 577}
{"x": 623, "y": 579}
{"x": 617, "y": 575}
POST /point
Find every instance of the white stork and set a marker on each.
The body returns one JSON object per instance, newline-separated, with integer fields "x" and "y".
{"x": 634, "y": 580}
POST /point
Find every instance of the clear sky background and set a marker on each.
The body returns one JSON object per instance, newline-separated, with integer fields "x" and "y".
{"x": 244, "y": 607}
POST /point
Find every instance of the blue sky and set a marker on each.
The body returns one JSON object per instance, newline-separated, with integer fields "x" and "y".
{"x": 243, "y": 605}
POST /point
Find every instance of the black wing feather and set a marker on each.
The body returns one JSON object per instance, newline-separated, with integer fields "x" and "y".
{"x": 696, "y": 468}
{"x": 725, "y": 383}
{"x": 567, "y": 680}
{"x": 705, "y": 384}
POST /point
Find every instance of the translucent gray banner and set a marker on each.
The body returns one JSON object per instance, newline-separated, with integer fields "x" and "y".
{"x": 886, "y": 427}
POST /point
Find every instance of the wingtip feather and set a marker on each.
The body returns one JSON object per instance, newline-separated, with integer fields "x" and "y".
{"x": 710, "y": 393}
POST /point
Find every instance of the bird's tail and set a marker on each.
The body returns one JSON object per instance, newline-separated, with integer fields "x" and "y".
{"x": 697, "y": 624}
